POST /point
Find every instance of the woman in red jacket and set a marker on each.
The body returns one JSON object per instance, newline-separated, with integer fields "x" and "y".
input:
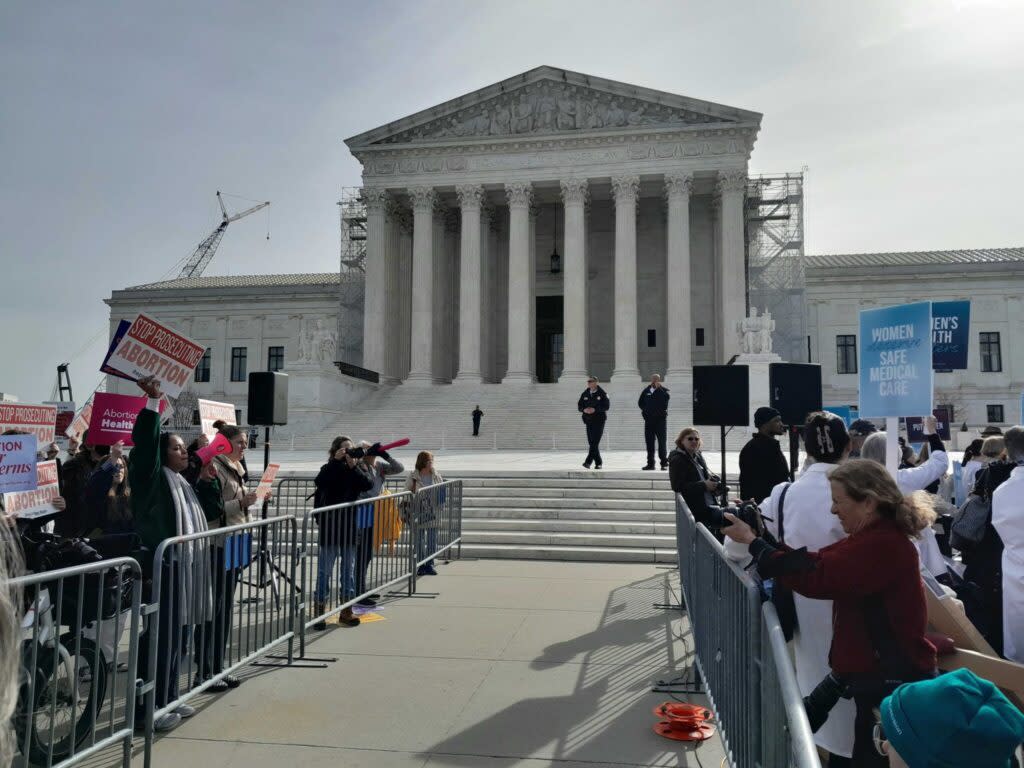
{"x": 874, "y": 580}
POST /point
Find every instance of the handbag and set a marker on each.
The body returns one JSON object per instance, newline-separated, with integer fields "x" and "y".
{"x": 969, "y": 525}
{"x": 782, "y": 596}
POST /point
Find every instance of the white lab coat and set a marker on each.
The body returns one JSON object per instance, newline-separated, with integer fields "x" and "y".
{"x": 809, "y": 522}
{"x": 917, "y": 479}
{"x": 1008, "y": 520}
{"x": 970, "y": 473}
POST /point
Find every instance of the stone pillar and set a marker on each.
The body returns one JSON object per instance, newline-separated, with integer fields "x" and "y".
{"x": 574, "y": 308}
{"x": 221, "y": 370}
{"x": 261, "y": 359}
{"x": 404, "y": 309}
{"x": 470, "y": 290}
{"x": 421, "y": 363}
{"x": 520, "y": 280}
{"x": 677, "y": 270}
{"x": 442, "y": 295}
{"x": 626, "y": 190}
{"x": 375, "y": 313}
{"x": 732, "y": 283}
{"x": 396, "y": 337}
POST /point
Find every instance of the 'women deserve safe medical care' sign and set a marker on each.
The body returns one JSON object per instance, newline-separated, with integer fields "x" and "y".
{"x": 896, "y": 360}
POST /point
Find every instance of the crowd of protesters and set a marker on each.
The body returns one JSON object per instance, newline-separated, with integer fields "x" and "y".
{"x": 849, "y": 542}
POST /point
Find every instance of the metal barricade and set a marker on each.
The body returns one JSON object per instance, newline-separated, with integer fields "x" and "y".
{"x": 79, "y": 650}
{"x": 361, "y": 547}
{"x": 197, "y": 632}
{"x": 293, "y": 496}
{"x": 439, "y": 521}
{"x": 786, "y": 737}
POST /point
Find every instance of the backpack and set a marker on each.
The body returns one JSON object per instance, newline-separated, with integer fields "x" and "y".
{"x": 969, "y": 525}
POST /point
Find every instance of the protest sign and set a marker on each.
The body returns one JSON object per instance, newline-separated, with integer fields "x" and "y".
{"x": 896, "y": 360}
{"x": 36, "y": 419}
{"x": 80, "y": 423}
{"x": 915, "y": 426}
{"x": 113, "y": 417}
{"x": 65, "y": 415}
{"x": 844, "y": 412}
{"x": 266, "y": 482}
{"x": 122, "y": 329}
{"x": 18, "y": 463}
{"x": 150, "y": 348}
{"x": 950, "y": 333}
{"x": 211, "y": 411}
{"x": 220, "y": 446}
{"x": 29, "y": 504}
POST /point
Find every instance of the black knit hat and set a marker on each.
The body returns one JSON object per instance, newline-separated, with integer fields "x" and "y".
{"x": 763, "y": 415}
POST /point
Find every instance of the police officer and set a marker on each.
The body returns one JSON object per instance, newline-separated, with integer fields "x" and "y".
{"x": 593, "y": 404}
{"x": 653, "y": 404}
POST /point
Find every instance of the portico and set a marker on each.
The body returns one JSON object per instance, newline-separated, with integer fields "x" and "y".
{"x": 640, "y": 192}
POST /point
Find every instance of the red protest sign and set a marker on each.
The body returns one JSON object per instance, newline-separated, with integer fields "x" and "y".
{"x": 153, "y": 349}
{"x": 28, "y": 504}
{"x": 113, "y": 417}
{"x": 38, "y": 420}
{"x": 211, "y": 411}
{"x": 80, "y": 423}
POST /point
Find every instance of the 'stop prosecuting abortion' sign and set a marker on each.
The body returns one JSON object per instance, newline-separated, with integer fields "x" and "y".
{"x": 152, "y": 349}
{"x": 896, "y": 361}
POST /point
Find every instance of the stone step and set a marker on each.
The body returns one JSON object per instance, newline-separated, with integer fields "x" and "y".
{"x": 604, "y": 482}
{"x": 626, "y": 516}
{"x": 473, "y": 527}
{"x": 583, "y": 540}
{"x": 518, "y": 502}
{"x": 471, "y": 492}
{"x": 592, "y": 554}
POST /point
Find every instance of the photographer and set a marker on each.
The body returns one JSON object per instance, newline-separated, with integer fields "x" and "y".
{"x": 380, "y": 464}
{"x": 689, "y": 475}
{"x": 873, "y": 578}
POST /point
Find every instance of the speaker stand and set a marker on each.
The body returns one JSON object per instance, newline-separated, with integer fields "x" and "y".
{"x": 725, "y": 493}
{"x": 794, "y": 452}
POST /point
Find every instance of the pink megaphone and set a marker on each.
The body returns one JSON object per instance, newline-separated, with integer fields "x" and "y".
{"x": 220, "y": 445}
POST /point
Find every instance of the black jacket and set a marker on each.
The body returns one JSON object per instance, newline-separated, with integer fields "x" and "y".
{"x": 762, "y": 467}
{"x": 685, "y": 478}
{"x": 74, "y": 477}
{"x": 336, "y": 483}
{"x": 653, "y": 405}
{"x": 598, "y": 400}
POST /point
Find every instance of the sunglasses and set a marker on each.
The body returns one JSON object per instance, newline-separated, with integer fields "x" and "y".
{"x": 692, "y": 439}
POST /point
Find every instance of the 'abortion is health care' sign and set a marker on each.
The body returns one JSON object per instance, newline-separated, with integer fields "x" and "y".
{"x": 896, "y": 360}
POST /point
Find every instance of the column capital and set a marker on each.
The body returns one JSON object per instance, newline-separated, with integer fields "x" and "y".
{"x": 423, "y": 199}
{"x": 731, "y": 181}
{"x": 375, "y": 198}
{"x": 470, "y": 196}
{"x": 625, "y": 189}
{"x": 574, "y": 191}
{"x": 678, "y": 184}
{"x": 519, "y": 194}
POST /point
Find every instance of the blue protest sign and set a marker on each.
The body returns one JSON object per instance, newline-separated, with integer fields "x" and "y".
{"x": 18, "y": 463}
{"x": 950, "y": 333}
{"x": 896, "y": 360}
{"x": 122, "y": 329}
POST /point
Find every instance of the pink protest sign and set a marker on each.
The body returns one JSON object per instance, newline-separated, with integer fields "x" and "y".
{"x": 113, "y": 417}
{"x": 266, "y": 482}
{"x": 153, "y": 349}
{"x": 80, "y": 423}
{"x": 38, "y": 420}
{"x": 28, "y": 504}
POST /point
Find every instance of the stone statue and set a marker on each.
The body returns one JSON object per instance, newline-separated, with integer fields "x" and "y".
{"x": 636, "y": 117}
{"x": 547, "y": 110}
{"x": 305, "y": 343}
{"x": 480, "y": 125}
{"x": 566, "y": 120}
{"x": 615, "y": 116}
{"x": 767, "y": 326}
{"x": 501, "y": 119}
{"x": 756, "y": 333}
{"x": 524, "y": 113}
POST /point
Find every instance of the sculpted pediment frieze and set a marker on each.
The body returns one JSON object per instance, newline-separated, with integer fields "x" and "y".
{"x": 551, "y": 107}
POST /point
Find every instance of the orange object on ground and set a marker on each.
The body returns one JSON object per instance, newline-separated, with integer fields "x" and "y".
{"x": 683, "y": 722}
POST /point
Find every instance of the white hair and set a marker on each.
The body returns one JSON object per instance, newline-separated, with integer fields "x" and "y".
{"x": 874, "y": 447}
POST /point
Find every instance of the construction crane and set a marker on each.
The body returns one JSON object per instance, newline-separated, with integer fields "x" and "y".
{"x": 199, "y": 260}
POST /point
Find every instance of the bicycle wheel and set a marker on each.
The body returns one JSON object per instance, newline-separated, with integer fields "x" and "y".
{"x": 69, "y": 690}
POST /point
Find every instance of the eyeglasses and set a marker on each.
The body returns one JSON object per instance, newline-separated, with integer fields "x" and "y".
{"x": 878, "y": 737}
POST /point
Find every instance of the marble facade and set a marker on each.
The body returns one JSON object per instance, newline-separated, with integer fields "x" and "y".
{"x": 640, "y": 191}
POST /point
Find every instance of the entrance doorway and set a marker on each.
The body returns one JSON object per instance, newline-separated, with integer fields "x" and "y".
{"x": 550, "y": 339}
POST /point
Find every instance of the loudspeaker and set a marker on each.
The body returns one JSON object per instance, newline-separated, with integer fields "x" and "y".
{"x": 794, "y": 390}
{"x": 268, "y": 398}
{"x": 721, "y": 395}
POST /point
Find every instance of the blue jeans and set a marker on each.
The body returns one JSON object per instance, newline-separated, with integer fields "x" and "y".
{"x": 427, "y": 544}
{"x": 329, "y": 555}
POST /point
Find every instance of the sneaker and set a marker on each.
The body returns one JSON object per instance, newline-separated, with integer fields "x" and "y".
{"x": 648, "y": 467}
{"x": 218, "y": 687}
{"x": 369, "y": 602}
{"x": 231, "y": 681}
{"x": 185, "y": 710}
{"x": 166, "y": 722}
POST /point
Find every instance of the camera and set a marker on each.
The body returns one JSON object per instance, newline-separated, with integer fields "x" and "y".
{"x": 358, "y": 452}
{"x": 746, "y": 511}
{"x": 819, "y": 702}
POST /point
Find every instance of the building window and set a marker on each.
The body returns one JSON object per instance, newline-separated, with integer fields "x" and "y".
{"x": 846, "y": 354}
{"x": 238, "y": 416}
{"x": 196, "y": 421}
{"x": 995, "y": 414}
{"x": 652, "y": 337}
{"x": 700, "y": 337}
{"x": 203, "y": 369}
{"x": 238, "y": 358}
{"x": 275, "y": 358}
{"x": 991, "y": 358}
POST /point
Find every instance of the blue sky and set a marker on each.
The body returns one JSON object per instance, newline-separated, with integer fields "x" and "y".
{"x": 121, "y": 120}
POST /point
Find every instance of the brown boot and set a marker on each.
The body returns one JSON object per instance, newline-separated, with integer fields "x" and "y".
{"x": 348, "y": 619}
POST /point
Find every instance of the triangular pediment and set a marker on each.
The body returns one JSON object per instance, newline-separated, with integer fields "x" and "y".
{"x": 549, "y": 101}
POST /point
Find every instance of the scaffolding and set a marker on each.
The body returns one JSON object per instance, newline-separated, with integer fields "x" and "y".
{"x": 775, "y": 259}
{"x": 352, "y": 287}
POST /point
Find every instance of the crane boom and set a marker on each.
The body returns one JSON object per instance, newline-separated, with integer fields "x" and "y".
{"x": 203, "y": 254}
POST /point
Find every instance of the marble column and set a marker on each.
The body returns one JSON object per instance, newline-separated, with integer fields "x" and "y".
{"x": 679, "y": 369}
{"x": 403, "y": 335}
{"x": 260, "y": 359}
{"x": 574, "y": 307}
{"x": 442, "y": 296}
{"x": 626, "y": 190}
{"x": 421, "y": 357}
{"x": 222, "y": 371}
{"x": 520, "y": 281}
{"x": 732, "y": 283}
{"x": 470, "y": 285}
{"x": 375, "y": 314}
{"x": 395, "y": 336}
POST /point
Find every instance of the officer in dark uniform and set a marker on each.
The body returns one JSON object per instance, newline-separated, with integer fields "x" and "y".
{"x": 593, "y": 404}
{"x": 477, "y": 413}
{"x": 653, "y": 404}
